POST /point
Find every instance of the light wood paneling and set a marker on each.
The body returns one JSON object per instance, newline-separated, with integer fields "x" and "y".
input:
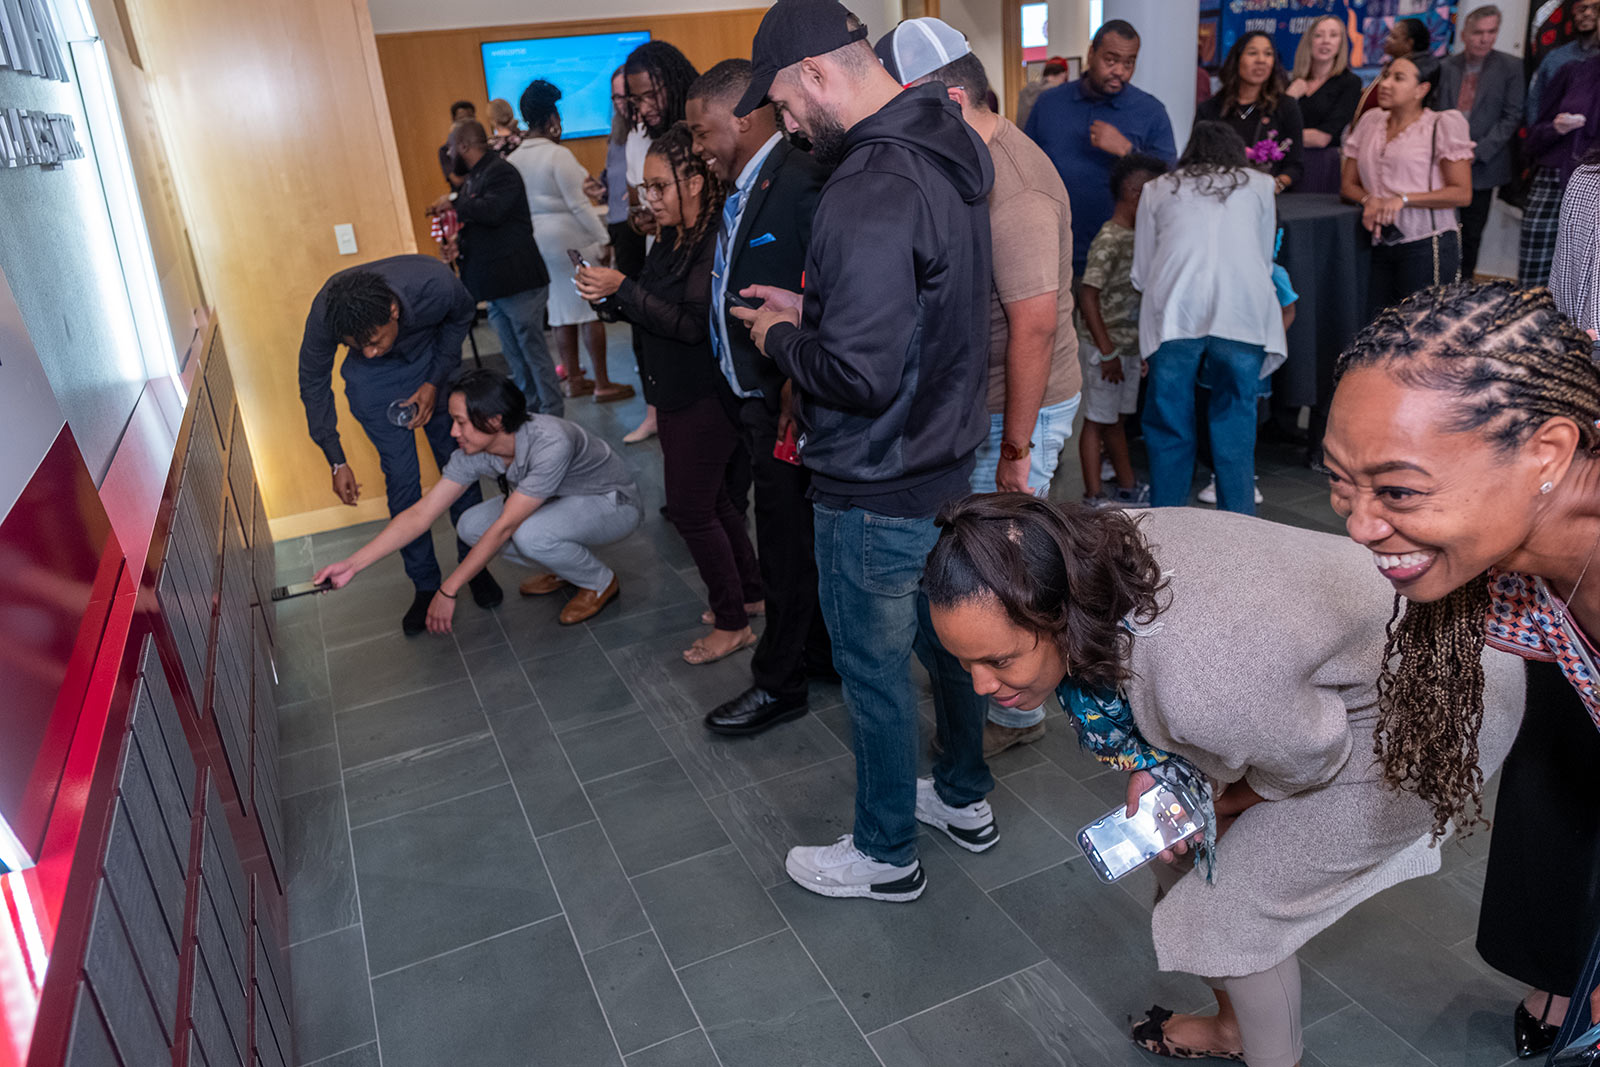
{"x": 425, "y": 71}
{"x": 276, "y": 128}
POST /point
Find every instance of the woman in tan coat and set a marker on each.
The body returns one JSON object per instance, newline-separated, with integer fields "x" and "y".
{"x": 1243, "y": 656}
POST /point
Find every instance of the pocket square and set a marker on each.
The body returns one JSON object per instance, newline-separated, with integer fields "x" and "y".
{"x": 764, "y": 239}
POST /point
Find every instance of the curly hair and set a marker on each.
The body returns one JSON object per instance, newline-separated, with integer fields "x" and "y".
{"x": 670, "y": 72}
{"x": 1069, "y": 572}
{"x": 676, "y": 147}
{"x": 1512, "y": 362}
{"x": 355, "y": 304}
{"x": 1215, "y": 158}
{"x": 1277, "y": 83}
{"x": 538, "y": 104}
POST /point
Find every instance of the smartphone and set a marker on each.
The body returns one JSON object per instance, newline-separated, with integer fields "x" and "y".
{"x": 1116, "y": 844}
{"x": 577, "y": 258}
{"x": 787, "y": 448}
{"x": 285, "y": 592}
{"x": 745, "y": 302}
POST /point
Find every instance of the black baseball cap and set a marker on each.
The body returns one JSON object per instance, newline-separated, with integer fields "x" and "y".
{"x": 790, "y": 31}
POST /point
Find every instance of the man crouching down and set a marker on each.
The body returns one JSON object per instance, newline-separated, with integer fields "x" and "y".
{"x": 565, "y": 492}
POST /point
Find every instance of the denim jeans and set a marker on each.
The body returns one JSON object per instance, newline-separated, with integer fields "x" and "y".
{"x": 1232, "y": 371}
{"x": 1050, "y": 432}
{"x": 870, "y": 578}
{"x": 518, "y": 319}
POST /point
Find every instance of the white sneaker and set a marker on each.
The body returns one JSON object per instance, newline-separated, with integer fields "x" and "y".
{"x": 1108, "y": 473}
{"x": 842, "y": 870}
{"x": 1208, "y": 495}
{"x": 971, "y": 827}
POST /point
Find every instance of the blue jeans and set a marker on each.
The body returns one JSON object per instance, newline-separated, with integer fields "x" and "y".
{"x": 1232, "y": 371}
{"x": 1050, "y": 432}
{"x": 870, "y": 578}
{"x": 518, "y": 319}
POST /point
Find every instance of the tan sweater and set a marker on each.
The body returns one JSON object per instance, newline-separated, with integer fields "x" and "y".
{"x": 1265, "y": 668}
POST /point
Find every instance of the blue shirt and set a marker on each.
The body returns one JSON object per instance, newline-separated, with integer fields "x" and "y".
{"x": 1059, "y": 123}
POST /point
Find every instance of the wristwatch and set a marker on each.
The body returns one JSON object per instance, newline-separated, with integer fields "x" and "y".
{"x": 1010, "y": 452}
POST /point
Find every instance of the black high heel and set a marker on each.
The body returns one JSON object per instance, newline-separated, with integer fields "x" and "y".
{"x": 1533, "y": 1037}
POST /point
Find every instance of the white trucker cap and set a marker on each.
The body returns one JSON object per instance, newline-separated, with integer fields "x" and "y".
{"x": 918, "y": 47}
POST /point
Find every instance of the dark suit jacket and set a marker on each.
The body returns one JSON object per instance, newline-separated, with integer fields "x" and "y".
{"x": 1496, "y": 112}
{"x": 498, "y": 253}
{"x": 782, "y": 200}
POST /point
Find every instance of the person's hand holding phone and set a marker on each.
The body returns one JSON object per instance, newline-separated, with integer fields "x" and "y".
{"x": 597, "y": 283}
{"x": 1140, "y": 783}
{"x": 339, "y": 574}
{"x": 777, "y": 305}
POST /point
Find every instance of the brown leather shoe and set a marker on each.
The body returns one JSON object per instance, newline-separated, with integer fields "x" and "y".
{"x": 541, "y": 585}
{"x": 587, "y": 603}
{"x": 997, "y": 738}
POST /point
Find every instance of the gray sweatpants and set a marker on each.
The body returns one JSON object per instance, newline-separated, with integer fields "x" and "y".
{"x": 560, "y": 533}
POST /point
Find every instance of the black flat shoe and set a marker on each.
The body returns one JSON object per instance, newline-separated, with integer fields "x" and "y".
{"x": 416, "y": 617}
{"x": 486, "y": 592}
{"x": 1532, "y": 1037}
{"x": 753, "y": 711}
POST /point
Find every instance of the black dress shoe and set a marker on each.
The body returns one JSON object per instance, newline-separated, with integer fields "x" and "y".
{"x": 416, "y": 617}
{"x": 486, "y": 592}
{"x": 752, "y": 711}
{"x": 1532, "y": 1037}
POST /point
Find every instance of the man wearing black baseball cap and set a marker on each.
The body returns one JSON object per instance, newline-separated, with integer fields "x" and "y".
{"x": 888, "y": 351}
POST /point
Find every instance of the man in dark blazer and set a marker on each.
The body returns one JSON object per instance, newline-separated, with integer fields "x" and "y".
{"x": 762, "y": 239}
{"x": 1487, "y": 86}
{"x": 500, "y": 263}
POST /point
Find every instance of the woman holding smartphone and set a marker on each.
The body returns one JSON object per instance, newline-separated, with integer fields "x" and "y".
{"x": 670, "y": 303}
{"x": 1240, "y": 657}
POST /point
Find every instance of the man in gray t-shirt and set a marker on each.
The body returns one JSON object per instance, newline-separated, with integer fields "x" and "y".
{"x": 565, "y": 492}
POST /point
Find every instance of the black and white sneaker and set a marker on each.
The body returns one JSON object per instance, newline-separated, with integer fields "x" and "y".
{"x": 971, "y": 827}
{"x": 842, "y": 870}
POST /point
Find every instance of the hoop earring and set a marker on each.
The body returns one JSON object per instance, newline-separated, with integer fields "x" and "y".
{"x": 1546, "y": 487}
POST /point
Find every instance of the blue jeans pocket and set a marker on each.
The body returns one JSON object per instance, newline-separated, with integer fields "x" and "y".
{"x": 893, "y": 553}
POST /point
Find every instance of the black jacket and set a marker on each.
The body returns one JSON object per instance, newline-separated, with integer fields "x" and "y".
{"x": 892, "y": 354}
{"x": 1281, "y": 125}
{"x": 670, "y": 302}
{"x": 498, "y": 254}
{"x": 770, "y": 249}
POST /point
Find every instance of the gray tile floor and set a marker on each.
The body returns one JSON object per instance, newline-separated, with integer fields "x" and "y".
{"x": 517, "y": 845}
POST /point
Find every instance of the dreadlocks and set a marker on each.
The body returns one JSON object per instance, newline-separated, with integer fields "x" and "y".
{"x": 1512, "y": 362}
{"x": 676, "y": 146}
{"x": 670, "y": 73}
{"x": 356, "y": 304}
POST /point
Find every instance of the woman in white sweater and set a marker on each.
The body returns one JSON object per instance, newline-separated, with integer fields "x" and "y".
{"x": 1202, "y": 257}
{"x": 564, "y": 218}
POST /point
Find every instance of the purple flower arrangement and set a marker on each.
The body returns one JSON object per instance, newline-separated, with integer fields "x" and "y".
{"x": 1268, "y": 150}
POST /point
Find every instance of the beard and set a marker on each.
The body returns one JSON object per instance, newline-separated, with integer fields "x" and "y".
{"x": 827, "y": 138}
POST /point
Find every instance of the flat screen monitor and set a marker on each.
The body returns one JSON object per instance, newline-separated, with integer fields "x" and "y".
{"x": 579, "y": 66}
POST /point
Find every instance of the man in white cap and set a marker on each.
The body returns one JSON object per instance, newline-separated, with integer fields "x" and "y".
{"x": 887, "y": 351}
{"x": 1034, "y": 379}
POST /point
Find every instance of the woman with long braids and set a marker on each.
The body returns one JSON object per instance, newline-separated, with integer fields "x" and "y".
{"x": 1463, "y": 450}
{"x": 1239, "y": 658}
{"x": 670, "y": 303}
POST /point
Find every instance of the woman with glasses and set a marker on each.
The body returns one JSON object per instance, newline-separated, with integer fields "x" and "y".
{"x": 670, "y": 303}
{"x": 564, "y": 218}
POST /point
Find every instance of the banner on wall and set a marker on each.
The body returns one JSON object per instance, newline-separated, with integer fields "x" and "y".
{"x": 1366, "y": 21}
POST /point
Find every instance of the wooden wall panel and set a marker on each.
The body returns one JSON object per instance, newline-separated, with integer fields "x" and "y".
{"x": 277, "y": 130}
{"x": 423, "y": 72}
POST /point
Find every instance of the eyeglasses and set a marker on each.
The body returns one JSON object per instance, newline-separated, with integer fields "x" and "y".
{"x": 652, "y": 190}
{"x": 639, "y": 98}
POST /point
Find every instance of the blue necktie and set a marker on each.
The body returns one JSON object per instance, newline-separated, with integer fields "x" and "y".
{"x": 719, "y": 265}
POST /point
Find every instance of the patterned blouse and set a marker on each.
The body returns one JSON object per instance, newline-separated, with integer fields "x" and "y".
{"x": 1528, "y": 620}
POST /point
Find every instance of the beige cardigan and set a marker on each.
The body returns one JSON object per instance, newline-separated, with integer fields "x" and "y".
{"x": 1265, "y": 668}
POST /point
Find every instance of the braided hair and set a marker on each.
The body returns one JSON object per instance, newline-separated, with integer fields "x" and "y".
{"x": 356, "y": 304}
{"x": 676, "y": 147}
{"x": 538, "y": 105}
{"x": 670, "y": 72}
{"x": 1512, "y": 362}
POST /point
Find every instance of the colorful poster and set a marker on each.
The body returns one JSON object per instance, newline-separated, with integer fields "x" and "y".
{"x": 1368, "y": 23}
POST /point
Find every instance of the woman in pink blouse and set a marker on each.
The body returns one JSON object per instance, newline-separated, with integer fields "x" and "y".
{"x": 1410, "y": 168}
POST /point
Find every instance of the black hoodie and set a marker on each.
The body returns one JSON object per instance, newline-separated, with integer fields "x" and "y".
{"x": 891, "y": 357}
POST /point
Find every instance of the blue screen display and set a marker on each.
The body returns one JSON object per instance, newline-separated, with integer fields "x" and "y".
{"x": 579, "y": 66}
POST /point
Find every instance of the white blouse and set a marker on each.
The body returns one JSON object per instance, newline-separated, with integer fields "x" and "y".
{"x": 1204, "y": 265}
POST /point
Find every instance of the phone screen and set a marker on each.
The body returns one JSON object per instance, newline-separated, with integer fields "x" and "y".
{"x": 1116, "y": 844}
{"x": 284, "y": 592}
{"x": 577, "y": 258}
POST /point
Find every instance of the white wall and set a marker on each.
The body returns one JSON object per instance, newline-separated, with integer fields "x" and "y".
{"x": 399, "y": 16}
{"x": 1168, "y": 32}
{"x": 980, "y": 21}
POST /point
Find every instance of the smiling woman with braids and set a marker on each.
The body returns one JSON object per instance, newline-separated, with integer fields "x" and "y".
{"x": 1237, "y": 657}
{"x": 1464, "y": 451}
{"x": 670, "y": 303}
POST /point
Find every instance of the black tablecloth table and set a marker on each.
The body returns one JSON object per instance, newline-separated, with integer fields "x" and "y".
{"x": 1328, "y": 257}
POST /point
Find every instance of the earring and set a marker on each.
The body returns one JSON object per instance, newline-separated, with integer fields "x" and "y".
{"x": 1546, "y": 487}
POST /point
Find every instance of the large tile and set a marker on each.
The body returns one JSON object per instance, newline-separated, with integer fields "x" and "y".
{"x": 765, "y": 1004}
{"x": 639, "y": 993}
{"x": 891, "y": 961}
{"x": 532, "y": 626}
{"x": 1354, "y": 1038}
{"x": 498, "y": 678}
{"x": 478, "y": 629}
{"x": 618, "y": 744}
{"x": 579, "y": 688}
{"x": 371, "y": 606}
{"x": 301, "y": 666}
{"x": 550, "y": 792}
{"x": 1099, "y": 937}
{"x": 305, "y": 724}
{"x": 706, "y": 905}
{"x": 1063, "y": 802}
{"x": 332, "y": 1004}
{"x": 718, "y": 764}
{"x": 685, "y": 1050}
{"x": 1035, "y": 1017}
{"x": 654, "y": 816}
{"x": 423, "y": 776}
{"x": 808, "y": 807}
{"x": 596, "y": 895}
{"x": 1438, "y": 905}
{"x": 1027, "y": 844}
{"x": 519, "y": 998}
{"x": 322, "y": 888}
{"x": 406, "y": 723}
{"x": 672, "y": 691}
{"x": 360, "y": 1056}
{"x": 435, "y": 879}
{"x": 308, "y": 769}
{"x": 390, "y": 666}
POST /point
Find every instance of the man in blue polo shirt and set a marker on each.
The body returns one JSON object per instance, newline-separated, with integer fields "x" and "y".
{"x": 1086, "y": 125}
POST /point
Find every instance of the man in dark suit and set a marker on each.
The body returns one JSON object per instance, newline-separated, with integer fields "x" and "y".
{"x": 1487, "y": 87}
{"x": 764, "y": 230}
{"x": 501, "y": 264}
